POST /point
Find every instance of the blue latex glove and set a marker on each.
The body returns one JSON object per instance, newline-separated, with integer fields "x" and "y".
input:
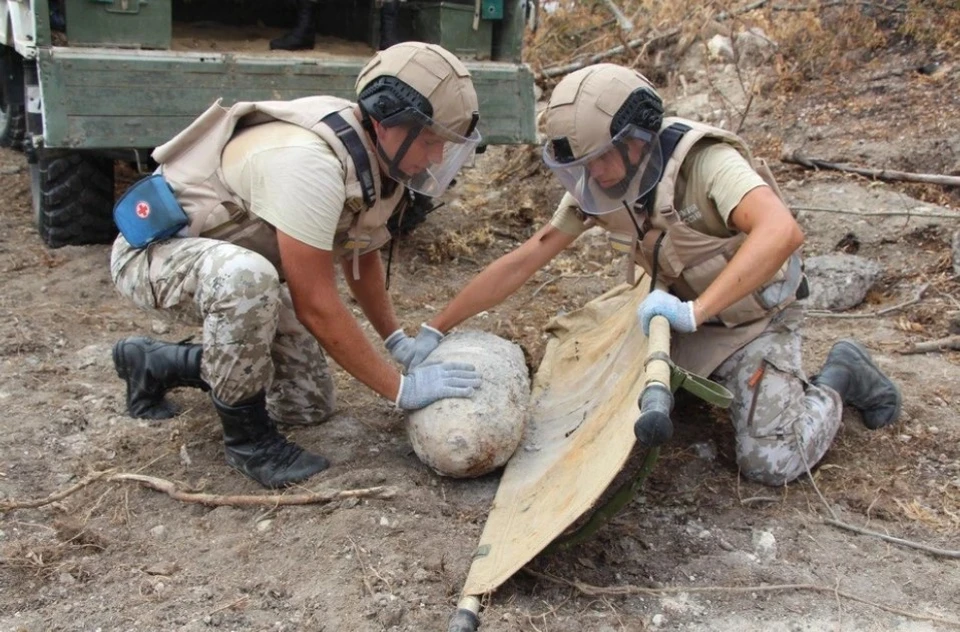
{"x": 410, "y": 352}
{"x": 436, "y": 380}
{"x": 678, "y": 313}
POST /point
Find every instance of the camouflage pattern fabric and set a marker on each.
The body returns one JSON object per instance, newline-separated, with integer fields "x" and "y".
{"x": 783, "y": 422}
{"x": 252, "y": 339}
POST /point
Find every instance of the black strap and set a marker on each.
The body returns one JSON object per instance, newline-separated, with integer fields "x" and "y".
{"x": 351, "y": 140}
{"x": 669, "y": 139}
{"x": 656, "y": 261}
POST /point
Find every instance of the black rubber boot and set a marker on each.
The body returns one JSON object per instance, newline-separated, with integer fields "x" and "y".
{"x": 850, "y": 372}
{"x": 303, "y": 35}
{"x": 255, "y": 447}
{"x": 153, "y": 367}
{"x": 389, "y": 23}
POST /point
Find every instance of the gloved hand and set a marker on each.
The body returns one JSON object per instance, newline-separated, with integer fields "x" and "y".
{"x": 436, "y": 380}
{"x": 678, "y": 313}
{"x": 410, "y": 352}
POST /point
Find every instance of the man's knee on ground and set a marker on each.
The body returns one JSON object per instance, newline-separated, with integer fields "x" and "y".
{"x": 773, "y": 463}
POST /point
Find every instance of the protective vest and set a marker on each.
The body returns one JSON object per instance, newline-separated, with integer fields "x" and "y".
{"x": 686, "y": 260}
{"x": 190, "y": 163}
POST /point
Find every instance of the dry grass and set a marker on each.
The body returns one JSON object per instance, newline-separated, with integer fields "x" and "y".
{"x": 814, "y": 38}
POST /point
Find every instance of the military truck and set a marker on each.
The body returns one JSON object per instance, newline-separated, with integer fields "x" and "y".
{"x": 89, "y": 87}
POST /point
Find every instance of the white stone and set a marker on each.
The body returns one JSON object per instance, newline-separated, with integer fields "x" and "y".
{"x": 159, "y": 327}
{"x": 462, "y": 437}
{"x": 721, "y": 48}
{"x": 765, "y": 545}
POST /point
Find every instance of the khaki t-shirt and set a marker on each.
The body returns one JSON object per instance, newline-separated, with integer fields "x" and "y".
{"x": 713, "y": 179}
{"x": 290, "y": 178}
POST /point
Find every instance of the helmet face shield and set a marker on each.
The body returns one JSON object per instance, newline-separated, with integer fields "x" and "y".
{"x": 611, "y": 177}
{"x": 421, "y": 154}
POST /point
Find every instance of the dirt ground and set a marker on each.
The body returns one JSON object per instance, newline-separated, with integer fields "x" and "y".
{"x": 699, "y": 549}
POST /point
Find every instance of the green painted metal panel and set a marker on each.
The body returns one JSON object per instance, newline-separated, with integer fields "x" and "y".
{"x": 491, "y": 9}
{"x": 109, "y": 99}
{"x": 508, "y": 33}
{"x": 123, "y": 23}
{"x": 451, "y": 26}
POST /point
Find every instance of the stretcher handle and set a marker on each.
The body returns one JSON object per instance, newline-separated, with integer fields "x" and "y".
{"x": 654, "y": 427}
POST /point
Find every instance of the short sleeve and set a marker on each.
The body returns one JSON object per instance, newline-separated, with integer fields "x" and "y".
{"x": 300, "y": 190}
{"x": 727, "y": 174}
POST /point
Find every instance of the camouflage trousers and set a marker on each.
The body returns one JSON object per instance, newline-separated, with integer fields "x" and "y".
{"x": 783, "y": 423}
{"x": 252, "y": 340}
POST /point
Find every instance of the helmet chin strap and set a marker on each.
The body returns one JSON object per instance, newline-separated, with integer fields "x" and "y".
{"x": 620, "y": 188}
{"x": 393, "y": 164}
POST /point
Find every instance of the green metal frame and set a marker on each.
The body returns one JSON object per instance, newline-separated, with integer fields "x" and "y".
{"x": 102, "y": 98}
{"x": 107, "y": 99}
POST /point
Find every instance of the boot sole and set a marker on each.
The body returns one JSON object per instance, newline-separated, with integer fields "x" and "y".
{"x": 865, "y": 356}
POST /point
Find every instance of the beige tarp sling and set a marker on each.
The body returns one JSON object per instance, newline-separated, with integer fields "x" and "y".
{"x": 580, "y": 434}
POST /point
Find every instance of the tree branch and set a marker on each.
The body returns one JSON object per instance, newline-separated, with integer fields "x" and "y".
{"x": 951, "y": 343}
{"x": 211, "y": 500}
{"x": 820, "y": 209}
{"x": 798, "y": 158}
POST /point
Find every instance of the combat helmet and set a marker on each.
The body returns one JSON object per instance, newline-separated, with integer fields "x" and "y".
{"x": 421, "y": 87}
{"x": 604, "y": 112}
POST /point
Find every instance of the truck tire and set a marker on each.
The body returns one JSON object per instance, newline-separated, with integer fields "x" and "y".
{"x": 73, "y": 198}
{"x": 12, "y": 119}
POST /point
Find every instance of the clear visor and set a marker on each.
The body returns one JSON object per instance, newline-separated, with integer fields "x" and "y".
{"x": 428, "y": 157}
{"x": 613, "y": 176}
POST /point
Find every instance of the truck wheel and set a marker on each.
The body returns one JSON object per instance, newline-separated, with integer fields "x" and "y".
{"x": 73, "y": 198}
{"x": 12, "y": 119}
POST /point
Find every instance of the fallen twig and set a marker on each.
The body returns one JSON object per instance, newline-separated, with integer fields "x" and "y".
{"x": 622, "y": 21}
{"x": 881, "y": 174}
{"x": 834, "y": 3}
{"x": 930, "y": 214}
{"x": 951, "y": 343}
{"x": 555, "y": 71}
{"x": 211, "y": 500}
{"x": 880, "y": 312}
{"x": 10, "y": 505}
{"x": 888, "y": 538}
{"x": 253, "y": 500}
{"x": 629, "y": 589}
{"x": 363, "y": 568}
{"x": 568, "y": 275}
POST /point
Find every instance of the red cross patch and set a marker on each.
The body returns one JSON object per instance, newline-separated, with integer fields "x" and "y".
{"x": 143, "y": 210}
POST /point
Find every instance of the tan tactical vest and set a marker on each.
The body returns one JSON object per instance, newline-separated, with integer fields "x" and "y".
{"x": 190, "y": 163}
{"x": 687, "y": 260}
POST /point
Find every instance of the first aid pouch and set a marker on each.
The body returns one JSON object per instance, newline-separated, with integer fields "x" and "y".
{"x": 149, "y": 212}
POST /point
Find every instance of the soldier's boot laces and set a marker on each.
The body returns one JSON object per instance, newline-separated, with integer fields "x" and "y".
{"x": 303, "y": 35}
{"x": 153, "y": 367}
{"x": 255, "y": 447}
{"x": 850, "y": 371}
